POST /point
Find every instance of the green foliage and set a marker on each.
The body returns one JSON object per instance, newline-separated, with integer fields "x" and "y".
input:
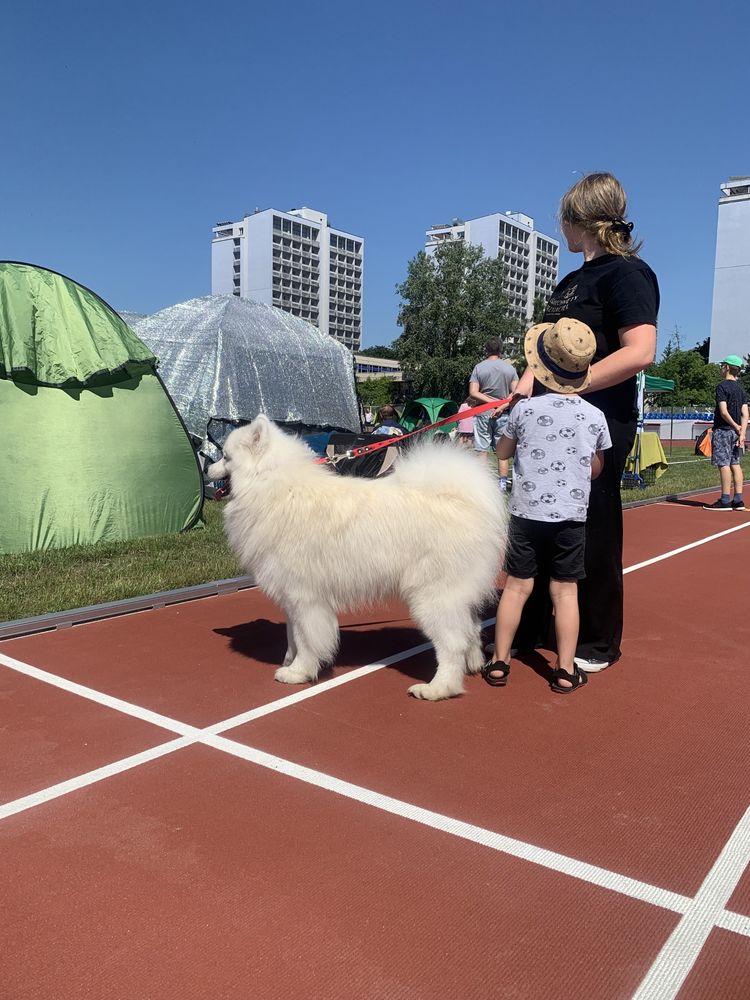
{"x": 452, "y": 303}
{"x": 379, "y": 351}
{"x": 695, "y": 380}
{"x": 744, "y": 377}
{"x": 376, "y": 392}
{"x": 539, "y": 307}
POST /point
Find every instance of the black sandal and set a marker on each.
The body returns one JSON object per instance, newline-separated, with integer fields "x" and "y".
{"x": 577, "y": 678}
{"x": 497, "y": 667}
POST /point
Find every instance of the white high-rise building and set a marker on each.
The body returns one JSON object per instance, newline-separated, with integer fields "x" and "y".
{"x": 531, "y": 258}
{"x": 730, "y": 314}
{"x": 296, "y": 261}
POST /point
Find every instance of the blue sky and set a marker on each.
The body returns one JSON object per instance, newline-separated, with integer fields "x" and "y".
{"x": 129, "y": 130}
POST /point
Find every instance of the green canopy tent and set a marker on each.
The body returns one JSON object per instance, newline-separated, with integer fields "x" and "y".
{"x": 426, "y": 411}
{"x": 652, "y": 383}
{"x": 645, "y": 383}
{"x": 94, "y": 448}
{"x": 655, "y": 384}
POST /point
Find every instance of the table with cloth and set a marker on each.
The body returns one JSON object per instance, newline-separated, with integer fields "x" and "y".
{"x": 652, "y": 455}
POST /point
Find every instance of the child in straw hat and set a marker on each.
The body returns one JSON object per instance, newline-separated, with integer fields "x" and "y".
{"x": 557, "y": 439}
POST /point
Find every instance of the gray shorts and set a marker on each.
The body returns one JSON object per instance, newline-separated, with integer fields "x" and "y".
{"x": 488, "y": 430}
{"x": 724, "y": 450}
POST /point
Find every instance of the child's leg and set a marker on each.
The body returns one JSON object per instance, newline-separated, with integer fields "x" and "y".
{"x": 514, "y": 596}
{"x": 564, "y": 594}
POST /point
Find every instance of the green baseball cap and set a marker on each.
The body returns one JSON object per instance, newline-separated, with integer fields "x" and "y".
{"x": 732, "y": 359}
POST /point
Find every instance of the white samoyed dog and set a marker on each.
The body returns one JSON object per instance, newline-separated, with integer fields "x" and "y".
{"x": 432, "y": 533}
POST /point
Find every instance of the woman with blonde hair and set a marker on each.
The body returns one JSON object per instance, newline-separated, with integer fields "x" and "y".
{"x": 616, "y": 294}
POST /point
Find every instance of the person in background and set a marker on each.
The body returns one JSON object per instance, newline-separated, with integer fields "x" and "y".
{"x": 386, "y": 422}
{"x": 466, "y": 425}
{"x": 492, "y": 379}
{"x": 728, "y": 438}
{"x": 616, "y": 294}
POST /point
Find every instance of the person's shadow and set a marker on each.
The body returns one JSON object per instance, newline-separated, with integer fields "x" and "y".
{"x": 533, "y": 659}
{"x": 679, "y": 502}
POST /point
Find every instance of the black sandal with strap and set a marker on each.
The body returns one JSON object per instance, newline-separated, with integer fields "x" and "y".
{"x": 496, "y": 667}
{"x": 577, "y": 678}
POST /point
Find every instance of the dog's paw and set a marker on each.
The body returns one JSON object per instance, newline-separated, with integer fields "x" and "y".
{"x": 433, "y": 692}
{"x": 474, "y": 662}
{"x": 288, "y": 675}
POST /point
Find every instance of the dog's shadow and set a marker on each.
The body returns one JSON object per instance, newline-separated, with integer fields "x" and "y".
{"x": 265, "y": 642}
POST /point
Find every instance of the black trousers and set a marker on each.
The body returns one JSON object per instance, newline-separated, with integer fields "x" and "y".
{"x": 600, "y": 595}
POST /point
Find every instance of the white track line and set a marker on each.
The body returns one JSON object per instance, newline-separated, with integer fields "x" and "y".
{"x": 700, "y": 914}
{"x": 83, "y": 780}
{"x": 679, "y": 954}
{"x": 137, "y": 711}
{"x": 685, "y": 548}
{"x": 466, "y": 831}
{"x": 316, "y": 689}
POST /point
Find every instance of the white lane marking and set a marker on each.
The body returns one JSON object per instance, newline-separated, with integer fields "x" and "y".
{"x": 466, "y": 831}
{"x": 681, "y": 950}
{"x": 551, "y": 860}
{"x": 145, "y": 714}
{"x": 738, "y": 923}
{"x": 315, "y": 689}
{"x": 685, "y": 548}
{"x": 99, "y": 774}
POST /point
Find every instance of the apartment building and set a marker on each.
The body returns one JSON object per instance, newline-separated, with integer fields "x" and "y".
{"x": 296, "y": 261}
{"x": 531, "y": 258}
{"x": 731, "y": 298}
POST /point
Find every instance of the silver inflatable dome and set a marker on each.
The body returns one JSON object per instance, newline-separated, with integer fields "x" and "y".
{"x": 225, "y": 359}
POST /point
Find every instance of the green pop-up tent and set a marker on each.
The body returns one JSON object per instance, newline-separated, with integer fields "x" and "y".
{"x": 427, "y": 410}
{"x": 93, "y": 447}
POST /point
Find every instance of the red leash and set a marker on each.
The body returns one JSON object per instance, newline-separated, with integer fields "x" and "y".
{"x": 398, "y": 438}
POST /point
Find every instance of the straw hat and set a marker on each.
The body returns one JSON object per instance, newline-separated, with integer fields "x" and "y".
{"x": 559, "y": 354}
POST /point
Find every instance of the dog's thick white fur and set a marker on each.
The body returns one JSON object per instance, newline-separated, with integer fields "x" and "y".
{"x": 432, "y": 533}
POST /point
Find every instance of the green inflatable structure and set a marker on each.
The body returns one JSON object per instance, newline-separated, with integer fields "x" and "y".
{"x": 94, "y": 449}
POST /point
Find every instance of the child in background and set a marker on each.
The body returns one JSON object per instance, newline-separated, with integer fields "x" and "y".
{"x": 386, "y": 422}
{"x": 466, "y": 426}
{"x": 557, "y": 439}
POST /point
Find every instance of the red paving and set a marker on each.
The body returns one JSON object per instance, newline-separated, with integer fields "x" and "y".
{"x": 201, "y": 875}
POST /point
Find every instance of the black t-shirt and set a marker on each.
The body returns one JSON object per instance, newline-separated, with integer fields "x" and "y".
{"x": 734, "y": 396}
{"x": 608, "y": 293}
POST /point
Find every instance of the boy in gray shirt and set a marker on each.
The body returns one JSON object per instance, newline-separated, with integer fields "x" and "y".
{"x": 557, "y": 439}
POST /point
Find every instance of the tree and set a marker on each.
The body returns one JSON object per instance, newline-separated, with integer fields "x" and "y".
{"x": 695, "y": 381}
{"x": 379, "y": 351}
{"x": 703, "y": 349}
{"x": 376, "y": 392}
{"x": 452, "y": 303}
{"x": 744, "y": 377}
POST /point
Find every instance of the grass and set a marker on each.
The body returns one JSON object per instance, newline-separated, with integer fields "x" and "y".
{"x": 685, "y": 472}
{"x": 39, "y": 583}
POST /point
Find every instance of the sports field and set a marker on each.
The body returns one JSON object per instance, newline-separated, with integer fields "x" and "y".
{"x": 176, "y": 824}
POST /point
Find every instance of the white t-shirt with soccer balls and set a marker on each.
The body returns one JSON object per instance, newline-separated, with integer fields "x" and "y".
{"x": 556, "y": 438}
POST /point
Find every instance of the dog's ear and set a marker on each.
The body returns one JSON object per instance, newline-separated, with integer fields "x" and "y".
{"x": 259, "y": 431}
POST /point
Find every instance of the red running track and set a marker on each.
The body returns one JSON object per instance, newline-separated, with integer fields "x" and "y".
{"x": 177, "y": 825}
